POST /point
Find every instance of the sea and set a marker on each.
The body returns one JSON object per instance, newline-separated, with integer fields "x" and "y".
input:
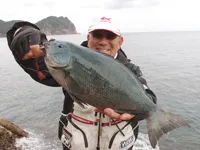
{"x": 170, "y": 62}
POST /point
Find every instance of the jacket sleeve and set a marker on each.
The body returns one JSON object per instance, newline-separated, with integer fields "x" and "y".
{"x": 138, "y": 73}
{"x": 136, "y": 70}
{"x": 19, "y": 38}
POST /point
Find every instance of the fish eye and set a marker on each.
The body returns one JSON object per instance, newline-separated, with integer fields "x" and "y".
{"x": 60, "y": 46}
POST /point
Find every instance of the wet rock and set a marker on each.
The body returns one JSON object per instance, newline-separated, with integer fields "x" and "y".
{"x": 9, "y": 132}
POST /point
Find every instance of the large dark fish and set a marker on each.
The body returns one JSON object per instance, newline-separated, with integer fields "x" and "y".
{"x": 93, "y": 78}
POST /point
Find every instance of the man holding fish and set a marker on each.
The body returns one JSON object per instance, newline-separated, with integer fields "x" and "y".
{"x": 82, "y": 126}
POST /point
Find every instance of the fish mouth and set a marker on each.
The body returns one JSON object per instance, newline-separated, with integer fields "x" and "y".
{"x": 46, "y": 44}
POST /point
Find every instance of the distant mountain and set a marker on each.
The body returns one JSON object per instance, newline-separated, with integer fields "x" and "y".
{"x": 56, "y": 25}
{"x": 5, "y": 26}
{"x": 50, "y": 26}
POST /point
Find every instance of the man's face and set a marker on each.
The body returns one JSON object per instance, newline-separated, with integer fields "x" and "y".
{"x": 104, "y": 41}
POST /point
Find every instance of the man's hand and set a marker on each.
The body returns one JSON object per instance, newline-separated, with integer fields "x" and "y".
{"x": 34, "y": 52}
{"x": 112, "y": 114}
{"x": 25, "y": 44}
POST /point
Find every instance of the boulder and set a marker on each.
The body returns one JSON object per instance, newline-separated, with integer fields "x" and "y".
{"x": 9, "y": 132}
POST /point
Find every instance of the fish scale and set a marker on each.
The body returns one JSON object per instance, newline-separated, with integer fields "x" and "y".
{"x": 99, "y": 80}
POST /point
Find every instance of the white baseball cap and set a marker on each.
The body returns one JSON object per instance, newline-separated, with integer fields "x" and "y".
{"x": 104, "y": 23}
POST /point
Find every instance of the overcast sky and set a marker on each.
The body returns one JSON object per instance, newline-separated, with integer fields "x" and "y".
{"x": 130, "y": 15}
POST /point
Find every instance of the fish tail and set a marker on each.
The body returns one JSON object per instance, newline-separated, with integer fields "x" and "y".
{"x": 161, "y": 122}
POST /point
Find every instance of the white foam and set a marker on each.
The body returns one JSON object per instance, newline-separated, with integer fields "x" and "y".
{"x": 143, "y": 143}
{"x": 36, "y": 142}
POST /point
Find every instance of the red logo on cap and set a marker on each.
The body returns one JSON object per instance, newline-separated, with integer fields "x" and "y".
{"x": 104, "y": 19}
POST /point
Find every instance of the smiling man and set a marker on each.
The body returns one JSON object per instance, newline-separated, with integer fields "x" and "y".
{"x": 104, "y": 37}
{"x": 81, "y": 128}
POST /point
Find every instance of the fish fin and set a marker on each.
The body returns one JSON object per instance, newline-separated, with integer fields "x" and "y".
{"x": 132, "y": 112}
{"x": 72, "y": 85}
{"x": 124, "y": 111}
{"x": 77, "y": 100}
{"x": 74, "y": 89}
{"x": 161, "y": 122}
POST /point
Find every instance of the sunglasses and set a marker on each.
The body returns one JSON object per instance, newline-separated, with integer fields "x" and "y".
{"x": 99, "y": 34}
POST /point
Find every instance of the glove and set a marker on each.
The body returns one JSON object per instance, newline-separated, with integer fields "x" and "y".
{"x": 22, "y": 41}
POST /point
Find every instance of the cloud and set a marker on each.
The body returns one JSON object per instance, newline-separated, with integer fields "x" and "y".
{"x": 119, "y": 4}
{"x": 130, "y": 15}
{"x": 44, "y": 4}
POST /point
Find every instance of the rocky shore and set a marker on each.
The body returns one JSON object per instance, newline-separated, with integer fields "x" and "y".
{"x": 9, "y": 132}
